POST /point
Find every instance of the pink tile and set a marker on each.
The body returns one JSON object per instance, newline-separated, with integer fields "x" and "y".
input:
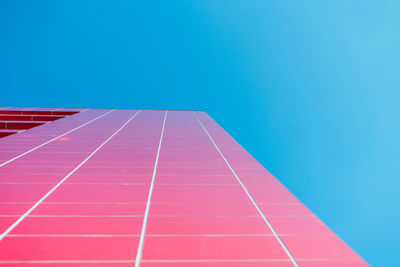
{"x": 99, "y": 193}
{"x": 6, "y": 222}
{"x": 258, "y": 180}
{"x": 212, "y": 248}
{"x": 79, "y": 225}
{"x": 68, "y": 248}
{"x": 31, "y": 178}
{"x": 271, "y": 194}
{"x": 282, "y": 263}
{"x": 296, "y": 209}
{"x": 149, "y": 164}
{"x": 110, "y": 178}
{"x": 299, "y": 225}
{"x": 117, "y": 171}
{"x": 189, "y": 171}
{"x": 69, "y": 264}
{"x": 61, "y": 171}
{"x": 197, "y": 209}
{"x": 196, "y": 179}
{"x": 23, "y": 192}
{"x": 90, "y": 209}
{"x": 207, "y": 225}
{"x": 200, "y": 194}
{"x": 318, "y": 247}
{"x": 333, "y": 263}
{"x": 14, "y": 208}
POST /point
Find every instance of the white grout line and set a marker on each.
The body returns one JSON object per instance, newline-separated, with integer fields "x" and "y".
{"x": 146, "y": 214}
{"x": 65, "y": 261}
{"x": 165, "y": 235}
{"x": 55, "y": 138}
{"x": 179, "y": 261}
{"x": 65, "y": 178}
{"x": 249, "y": 195}
{"x": 137, "y": 235}
{"x": 158, "y": 203}
{"x": 193, "y": 215}
{"x": 139, "y": 216}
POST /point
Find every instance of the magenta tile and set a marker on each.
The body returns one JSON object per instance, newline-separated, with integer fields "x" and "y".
{"x": 196, "y": 179}
{"x": 111, "y": 178}
{"x": 189, "y": 171}
{"x": 99, "y": 193}
{"x": 116, "y": 263}
{"x": 252, "y": 263}
{"x": 164, "y": 164}
{"x": 333, "y": 263}
{"x": 55, "y": 157}
{"x": 14, "y": 208}
{"x": 90, "y": 209}
{"x": 318, "y": 247}
{"x": 6, "y": 222}
{"x": 132, "y": 171}
{"x": 67, "y": 248}
{"x": 207, "y": 225}
{"x": 44, "y": 164}
{"x": 79, "y": 225}
{"x": 39, "y": 170}
{"x": 112, "y": 155}
{"x": 191, "y": 156}
{"x": 121, "y": 164}
{"x": 258, "y": 180}
{"x": 296, "y": 209}
{"x": 212, "y": 248}
{"x": 23, "y": 192}
{"x": 196, "y": 209}
{"x": 31, "y": 178}
{"x": 271, "y": 194}
{"x": 207, "y": 193}
{"x": 299, "y": 225}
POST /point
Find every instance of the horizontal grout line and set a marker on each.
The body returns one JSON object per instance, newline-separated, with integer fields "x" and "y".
{"x": 176, "y": 261}
{"x": 152, "y": 216}
{"x": 66, "y": 261}
{"x": 237, "y": 260}
{"x": 76, "y": 216}
{"x": 158, "y": 203}
{"x": 160, "y": 235}
{"x": 104, "y": 183}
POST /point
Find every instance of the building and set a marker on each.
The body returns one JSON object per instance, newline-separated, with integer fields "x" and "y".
{"x": 96, "y": 187}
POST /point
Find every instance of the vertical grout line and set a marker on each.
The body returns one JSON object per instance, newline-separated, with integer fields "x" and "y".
{"x": 250, "y": 196}
{"x": 146, "y": 214}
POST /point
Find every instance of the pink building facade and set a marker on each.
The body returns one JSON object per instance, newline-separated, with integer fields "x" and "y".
{"x": 97, "y": 187}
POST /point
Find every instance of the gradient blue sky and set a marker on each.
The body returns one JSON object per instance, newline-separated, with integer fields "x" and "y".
{"x": 310, "y": 88}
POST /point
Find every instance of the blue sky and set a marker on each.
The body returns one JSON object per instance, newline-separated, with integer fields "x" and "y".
{"x": 309, "y": 88}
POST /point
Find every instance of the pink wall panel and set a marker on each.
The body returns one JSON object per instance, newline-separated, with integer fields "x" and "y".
{"x": 149, "y": 188}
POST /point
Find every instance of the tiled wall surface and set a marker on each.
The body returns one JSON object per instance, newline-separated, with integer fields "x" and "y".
{"x": 149, "y": 188}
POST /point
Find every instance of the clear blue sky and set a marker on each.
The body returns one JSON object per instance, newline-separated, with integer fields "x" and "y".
{"x": 310, "y": 88}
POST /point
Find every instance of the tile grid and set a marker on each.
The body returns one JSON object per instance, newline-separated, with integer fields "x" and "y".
{"x": 200, "y": 215}
{"x": 62, "y": 181}
{"x": 249, "y": 195}
{"x": 55, "y": 138}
